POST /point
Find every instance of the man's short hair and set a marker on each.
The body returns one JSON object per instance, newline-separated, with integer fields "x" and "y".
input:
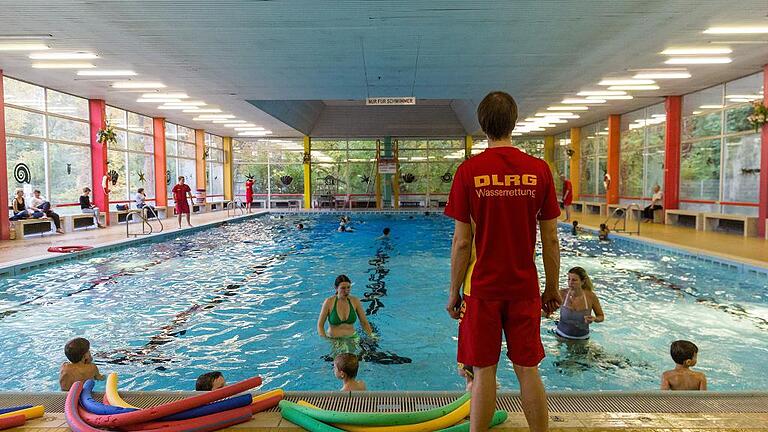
{"x": 181, "y": 177}
{"x": 205, "y": 381}
{"x": 347, "y": 363}
{"x": 497, "y": 114}
{"x": 682, "y": 350}
{"x": 36, "y": 191}
{"x": 76, "y": 349}
{"x": 86, "y": 189}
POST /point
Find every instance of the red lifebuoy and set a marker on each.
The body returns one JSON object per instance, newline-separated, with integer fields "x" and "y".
{"x": 105, "y": 184}
{"x": 68, "y": 249}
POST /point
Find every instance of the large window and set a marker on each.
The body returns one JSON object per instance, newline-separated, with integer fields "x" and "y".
{"x": 642, "y": 153}
{"x": 720, "y": 151}
{"x": 562, "y": 160}
{"x": 48, "y": 142}
{"x": 345, "y": 169}
{"x": 594, "y": 153}
{"x": 132, "y": 157}
{"x": 214, "y": 166}
{"x": 276, "y": 167}
{"x": 427, "y": 167}
{"x": 179, "y": 156}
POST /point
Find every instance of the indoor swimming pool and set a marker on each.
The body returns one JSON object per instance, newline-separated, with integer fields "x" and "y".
{"x": 244, "y": 298}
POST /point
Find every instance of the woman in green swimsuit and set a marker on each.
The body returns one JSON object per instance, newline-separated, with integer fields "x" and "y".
{"x": 342, "y": 311}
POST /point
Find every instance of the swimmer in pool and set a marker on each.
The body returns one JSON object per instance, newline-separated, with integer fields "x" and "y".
{"x": 342, "y": 312}
{"x": 579, "y": 302}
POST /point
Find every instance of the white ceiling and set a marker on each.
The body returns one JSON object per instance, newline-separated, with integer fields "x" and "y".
{"x": 229, "y": 51}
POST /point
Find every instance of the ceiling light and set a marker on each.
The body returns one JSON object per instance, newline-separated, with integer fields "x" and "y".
{"x": 710, "y": 106}
{"x": 624, "y": 97}
{"x": 203, "y": 110}
{"x": 243, "y": 125}
{"x": 659, "y": 115}
{"x": 536, "y": 130}
{"x": 231, "y": 121}
{"x": 175, "y": 107}
{"x": 696, "y": 51}
{"x": 157, "y": 100}
{"x": 106, "y": 72}
{"x": 63, "y": 56}
{"x": 736, "y": 30}
{"x": 622, "y": 82}
{"x": 165, "y": 95}
{"x": 529, "y": 119}
{"x": 137, "y": 85}
{"x": 583, "y": 101}
{"x": 601, "y": 93}
{"x": 207, "y": 117}
{"x": 19, "y": 46}
{"x": 602, "y": 133}
{"x": 553, "y": 114}
{"x": 252, "y": 128}
{"x": 517, "y": 134}
{"x": 698, "y": 60}
{"x": 69, "y": 65}
{"x": 567, "y": 108}
{"x": 663, "y": 75}
{"x": 192, "y": 104}
{"x": 255, "y": 133}
{"x": 558, "y": 121}
{"x": 744, "y": 96}
{"x": 696, "y": 112}
{"x": 634, "y": 87}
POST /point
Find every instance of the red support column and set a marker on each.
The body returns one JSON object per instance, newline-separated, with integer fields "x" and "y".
{"x": 161, "y": 187}
{"x": 763, "y": 194}
{"x": 614, "y": 141}
{"x": 674, "y": 108}
{"x": 5, "y": 224}
{"x": 98, "y": 120}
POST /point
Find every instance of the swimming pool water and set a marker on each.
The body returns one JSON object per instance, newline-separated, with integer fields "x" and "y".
{"x": 244, "y": 298}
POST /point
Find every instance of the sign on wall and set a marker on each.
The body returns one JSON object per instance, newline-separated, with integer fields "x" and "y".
{"x": 391, "y": 101}
{"x": 387, "y": 166}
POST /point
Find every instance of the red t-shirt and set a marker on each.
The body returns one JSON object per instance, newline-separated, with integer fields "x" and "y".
{"x": 180, "y": 192}
{"x": 567, "y": 192}
{"x": 249, "y": 190}
{"x": 502, "y": 192}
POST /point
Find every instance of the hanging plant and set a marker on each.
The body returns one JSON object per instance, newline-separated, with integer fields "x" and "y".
{"x": 409, "y": 178}
{"x": 113, "y": 176}
{"x": 447, "y": 177}
{"x": 107, "y": 135}
{"x": 286, "y": 180}
{"x": 570, "y": 152}
{"x": 759, "y": 115}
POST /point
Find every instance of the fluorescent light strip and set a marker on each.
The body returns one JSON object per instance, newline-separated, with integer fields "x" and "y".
{"x": 622, "y": 82}
{"x": 157, "y": 100}
{"x": 165, "y": 95}
{"x": 137, "y": 85}
{"x": 737, "y": 30}
{"x": 175, "y": 107}
{"x": 106, "y": 72}
{"x": 711, "y": 106}
{"x": 568, "y": 108}
{"x": 63, "y": 56}
{"x": 255, "y": 133}
{"x": 243, "y": 125}
{"x": 624, "y": 97}
{"x": 231, "y": 121}
{"x": 696, "y": 51}
{"x": 583, "y": 101}
{"x": 744, "y": 96}
{"x": 78, "y": 65}
{"x": 203, "y": 110}
{"x": 10, "y": 46}
{"x": 601, "y": 93}
{"x": 555, "y": 114}
{"x": 663, "y": 75}
{"x": 697, "y": 60}
{"x": 208, "y": 117}
{"x": 634, "y": 87}
{"x": 192, "y": 104}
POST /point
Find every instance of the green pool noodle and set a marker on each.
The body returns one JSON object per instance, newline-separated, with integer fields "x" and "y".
{"x": 306, "y": 422}
{"x": 375, "y": 419}
{"x": 499, "y": 417}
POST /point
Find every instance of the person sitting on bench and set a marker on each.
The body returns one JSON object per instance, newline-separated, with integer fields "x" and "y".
{"x": 88, "y": 208}
{"x": 39, "y": 204}
{"x": 656, "y": 204}
{"x": 140, "y": 199}
{"x": 20, "y": 210}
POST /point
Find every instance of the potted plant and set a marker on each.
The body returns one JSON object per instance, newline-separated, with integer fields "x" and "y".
{"x": 107, "y": 135}
{"x": 759, "y": 115}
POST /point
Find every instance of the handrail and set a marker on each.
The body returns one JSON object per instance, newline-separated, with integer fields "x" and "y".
{"x": 628, "y": 212}
{"x": 142, "y": 213}
{"x": 232, "y": 207}
{"x": 623, "y": 218}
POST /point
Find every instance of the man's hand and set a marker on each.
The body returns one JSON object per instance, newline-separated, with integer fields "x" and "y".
{"x": 551, "y": 301}
{"x": 454, "y": 305}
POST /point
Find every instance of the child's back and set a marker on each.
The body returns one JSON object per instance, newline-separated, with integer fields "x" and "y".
{"x": 685, "y": 355}
{"x": 345, "y": 368}
{"x": 80, "y": 366}
{"x": 353, "y": 385}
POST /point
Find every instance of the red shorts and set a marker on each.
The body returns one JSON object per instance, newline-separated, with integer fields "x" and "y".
{"x": 182, "y": 207}
{"x": 568, "y": 201}
{"x": 480, "y": 327}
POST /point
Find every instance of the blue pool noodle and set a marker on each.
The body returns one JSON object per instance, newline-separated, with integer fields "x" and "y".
{"x": 12, "y": 409}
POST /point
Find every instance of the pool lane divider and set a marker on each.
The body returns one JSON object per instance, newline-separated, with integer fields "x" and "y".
{"x": 205, "y": 412}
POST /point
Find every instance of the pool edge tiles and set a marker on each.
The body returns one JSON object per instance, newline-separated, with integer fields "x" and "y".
{"x": 15, "y": 268}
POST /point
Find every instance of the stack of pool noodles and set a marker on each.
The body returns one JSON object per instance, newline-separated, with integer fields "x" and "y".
{"x": 17, "y": 416}
{"x": 207, "y": 411}
{"x": 448, "y": 418}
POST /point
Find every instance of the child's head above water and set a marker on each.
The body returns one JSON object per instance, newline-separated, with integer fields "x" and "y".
{"x": 210, "y": 381}
{"x": 684, "y": 352}
{"x": 575, "y": 223}
{"x": 386, "y": 231}
{"x": 603, "y": 226}
{"x": 77, "y": 349}
{"x": 345, "y": 366}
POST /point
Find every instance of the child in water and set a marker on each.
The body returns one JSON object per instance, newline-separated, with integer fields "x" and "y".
{"x": 604, "y": 231}
{"x": 80, "y": 366}
{"x": 576, "y": 230}
{"x": 345, "y": 368}
{"x": 685, "y": 354}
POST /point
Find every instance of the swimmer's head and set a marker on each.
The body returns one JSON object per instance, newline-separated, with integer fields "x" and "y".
{"x": 386, "y": 231}
{"x": 345, "y": 366}
{"x": 603, "y": 226}
{"x": 578, "y": 278}
{"x": 343, "y": 285}
{"x": 575, "y": 223}
{"x": 684, "y": 352}
{"x": 300, "y": 226}
{"x": 77, "y": 350}
{"x": 210, "y": 381}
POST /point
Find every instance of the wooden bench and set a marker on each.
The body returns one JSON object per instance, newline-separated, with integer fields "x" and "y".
{"x": 684, "y": 218}
{"x": 81, "y": 221}
{"x": 28, "y": 227}
{"x": 731, "y": 222}
{"x": 201, "y": 208}
{"x": 411, "y": 204}
{"x": 216, "y": 206}
{"x": 578, "y": 206}
{"x": 595, "y": 208}
{"x": 285, "y": 203}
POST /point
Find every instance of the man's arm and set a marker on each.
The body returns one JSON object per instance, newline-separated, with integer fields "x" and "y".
{"x": 460, "y": 255}
{"x": 551, "y": 298}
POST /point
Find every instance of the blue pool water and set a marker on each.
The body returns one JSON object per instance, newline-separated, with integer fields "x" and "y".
{"x": 244, "y": 298}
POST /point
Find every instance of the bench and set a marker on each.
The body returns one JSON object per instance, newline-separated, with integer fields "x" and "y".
{"x": 201, "y": 208}
{"x": 27, "y": 227}
{"x": 595, "y": 208}
{"x": 411, "y": 204}
{"x": 216, "y": 206}
{"x": 285, "y": 203}
{"x": 81, "y": 220}
{"x": 578, "y": 206}
{"x": 747, "y": 225}
{"x": 687, "y": 218}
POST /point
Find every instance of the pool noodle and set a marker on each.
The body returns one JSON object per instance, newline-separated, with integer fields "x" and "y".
{"x": 12, "y": 409}
{"x": 498, "y": 418}
{"x": 445, "y": 421}
{"x": 28, "y": 413}
{"x": 12, "y": 421}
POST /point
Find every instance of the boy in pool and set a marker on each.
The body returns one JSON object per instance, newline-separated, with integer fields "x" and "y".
{"x": 576, "y": 230}
{"x": 210, "y": 381}
{"x": 685, "y": 354}
{"x": 80, "y": 366}
{"x": 604, "y": 231}
{"x": 345, "y": 368}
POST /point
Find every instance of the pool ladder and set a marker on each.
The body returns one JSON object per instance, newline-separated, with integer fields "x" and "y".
{"x": 233, "y": 207}
{"x": 620, "y": 215}
{"x": 145, "y": 225}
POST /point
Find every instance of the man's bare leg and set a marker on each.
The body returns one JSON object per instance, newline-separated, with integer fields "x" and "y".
{"x": 483, "y": 398}
{"x": 533, "y": 398}
{"x": 179, "y": 217}
{"x": 188, "y": 220}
